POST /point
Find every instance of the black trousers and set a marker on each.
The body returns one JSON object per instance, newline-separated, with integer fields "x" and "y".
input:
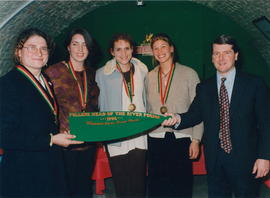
{"x": 129, "y": 174}
{"x": 79, "y": 166}
{"x": 169, "y": 167}
{"x": 225, "y": 180}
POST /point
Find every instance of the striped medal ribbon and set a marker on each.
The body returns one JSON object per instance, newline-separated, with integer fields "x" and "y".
{"x": 129, "y": 87}
{"x": 83, "y": 92}
{"x": 164, "y": 95}
{"x": 39, "y": 87}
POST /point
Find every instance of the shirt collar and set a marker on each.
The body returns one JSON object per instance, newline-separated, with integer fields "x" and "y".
{"x": 229, "y": 76}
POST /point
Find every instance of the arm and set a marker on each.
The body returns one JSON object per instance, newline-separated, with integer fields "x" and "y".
{"x": 145, "y": 93}
{"x": 92, "y": 103}
{"x": 194, "y": 114}
{"x": 93, "y": 98}
{"x": 101, "y": 97}
{"x": 16, "y": 134}
{"x": 20, "y": 130}
{"x": 65, "y": 90}
{"x": 262, "y": 111}
{"x": 197, "y": 131}
{"x": 186, "y": 120}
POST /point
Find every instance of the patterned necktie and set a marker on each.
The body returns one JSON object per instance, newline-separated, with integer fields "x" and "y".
{"x": 224, "y": 132}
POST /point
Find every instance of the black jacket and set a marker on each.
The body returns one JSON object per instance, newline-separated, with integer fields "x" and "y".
{"x": 249, "y": 120}
{"x": 29, "y": 167}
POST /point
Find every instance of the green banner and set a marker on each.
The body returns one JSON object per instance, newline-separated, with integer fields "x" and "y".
{"x": 104, "y": 126}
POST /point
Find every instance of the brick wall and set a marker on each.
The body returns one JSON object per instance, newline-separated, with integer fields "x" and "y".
{"x": 54, "y": 16}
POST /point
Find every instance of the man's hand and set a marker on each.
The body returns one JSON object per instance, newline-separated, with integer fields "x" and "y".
{"x": 174, "y": 119}
{"x": 261, "y": 168}
{"x": 64, "y": 139}
{"x": 194, "y": 149}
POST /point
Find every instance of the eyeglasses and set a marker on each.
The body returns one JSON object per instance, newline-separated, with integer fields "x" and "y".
{"x": 33, "y": 49}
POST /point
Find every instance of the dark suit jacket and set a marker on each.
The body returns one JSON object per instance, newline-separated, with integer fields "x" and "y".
{"x": 249, "y": 120}
{"x": 29, "y": 167}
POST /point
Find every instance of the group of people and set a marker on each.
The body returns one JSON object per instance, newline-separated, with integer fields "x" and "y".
{"x": 42, "y": 159}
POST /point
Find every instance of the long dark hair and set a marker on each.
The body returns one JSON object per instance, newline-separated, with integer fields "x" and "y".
{"x": 88, "y": 41}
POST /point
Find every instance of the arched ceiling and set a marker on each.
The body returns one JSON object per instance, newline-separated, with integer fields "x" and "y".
{"x": 54, "y": 16}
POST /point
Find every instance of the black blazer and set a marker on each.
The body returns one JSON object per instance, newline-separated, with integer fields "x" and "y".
{"x": 29, "y": 167}
{"x": 249, "y": 120}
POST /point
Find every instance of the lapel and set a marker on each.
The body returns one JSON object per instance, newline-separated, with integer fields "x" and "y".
{"x": 32, "y": 89}
{"x": 238, "y": 92}
{"x": 213, "y": 94}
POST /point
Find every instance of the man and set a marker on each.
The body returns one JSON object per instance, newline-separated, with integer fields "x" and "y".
{"x": 235, "y": 109}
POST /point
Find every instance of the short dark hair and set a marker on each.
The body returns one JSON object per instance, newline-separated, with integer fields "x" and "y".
{"x": 87, "y": 37}
{"x": 226, "y": 39}
{"x": 25, "y": 35}
{"x": 120, "y": 36}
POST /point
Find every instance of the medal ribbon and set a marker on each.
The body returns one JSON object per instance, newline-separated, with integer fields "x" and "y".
{"x": 164, "y": 96}
{"x": 129, "y": 89}
{"x": 39, "y": 87}
{"x": 82, "y": 92}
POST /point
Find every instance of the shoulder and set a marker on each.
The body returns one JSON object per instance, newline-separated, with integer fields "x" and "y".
{"x": 209, "y": 82}
{"x": 11, "y": 77}
{"x": 100, "y": 70}
{"x": 250, "y": 79}
{"x": 139, "y": 64}
{"x": 105, "y": 74}
{"x": 56, "y": 70}
{"x": 100, "y": 73}
{"x": 185, "y": 70}
{"x": 153, "y": 72}
{"x": 13, "y": 80}
{"x": 247, "y": 76}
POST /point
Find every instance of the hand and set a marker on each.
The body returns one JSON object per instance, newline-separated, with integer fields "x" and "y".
{"x": 64, "y": 139}
{"x": 175, "y": 118}
{"x": 194, "y": 149}
{"x": 261, "y": 168}
{"x": 66, "y": 131}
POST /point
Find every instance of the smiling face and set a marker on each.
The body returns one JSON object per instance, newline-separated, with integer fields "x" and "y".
{"x": 122, "y": 51}
{"x": 223, "y": 58}
{"x": 33, "y": 54}
{"x": 162, "y": 51}
{"x": 77, "y": 49}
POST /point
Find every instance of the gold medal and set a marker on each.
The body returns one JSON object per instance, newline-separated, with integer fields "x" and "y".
{"x": 132, "y": 107}
{"x": 163, "y": 109}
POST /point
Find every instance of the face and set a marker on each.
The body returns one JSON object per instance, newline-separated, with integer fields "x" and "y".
{"x": 223, "y": 58}
{"x": 162, "y": 51}
{"x": 34, "y": 54}
{"x": 77, "y": 49}
{"x": 122, "y": 52}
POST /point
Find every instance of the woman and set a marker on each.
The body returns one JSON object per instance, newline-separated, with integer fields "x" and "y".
{"x": 76, "y": 91}
{"x": 121, "y": 83}
{"x": 170, "y": 87}
{"x": 32, "y": 162}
